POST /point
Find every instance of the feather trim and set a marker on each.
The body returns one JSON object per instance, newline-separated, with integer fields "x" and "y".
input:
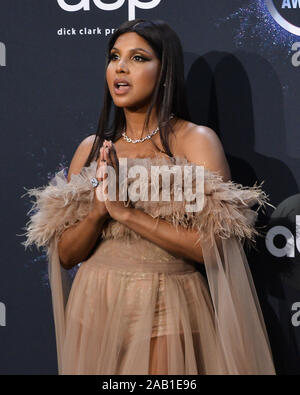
{"x": 226, "y": 212}
{"x": 59, "y": 205}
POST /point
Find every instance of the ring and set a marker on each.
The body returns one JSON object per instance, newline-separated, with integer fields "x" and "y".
{"x": 94, "y": 182}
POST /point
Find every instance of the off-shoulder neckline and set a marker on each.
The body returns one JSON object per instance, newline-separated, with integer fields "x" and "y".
{"x": 153, "y": 158}
{"x": 167, "y": 158}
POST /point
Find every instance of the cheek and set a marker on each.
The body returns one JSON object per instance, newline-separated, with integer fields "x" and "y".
{"x": 108, "y": 74}
{"x": 149, "y": 76}
{"x": 109, "y": 78}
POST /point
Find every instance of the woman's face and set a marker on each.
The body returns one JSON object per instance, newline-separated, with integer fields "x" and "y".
{"x": 134, "y": 65}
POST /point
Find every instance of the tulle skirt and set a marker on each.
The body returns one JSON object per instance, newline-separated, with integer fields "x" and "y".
{"x": 129, "y": 314}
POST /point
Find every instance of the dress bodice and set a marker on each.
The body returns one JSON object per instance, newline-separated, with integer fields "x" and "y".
{"x": 157, "y": 175}
{"x": 226, "y": 208}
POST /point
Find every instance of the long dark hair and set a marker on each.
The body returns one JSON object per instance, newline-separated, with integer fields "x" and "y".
{"x": 169, "y": 94}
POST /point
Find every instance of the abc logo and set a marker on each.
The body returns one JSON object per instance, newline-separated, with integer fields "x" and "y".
{"x": 286, "y": 14}
{"x": 291, "y": 242}
{"x": 296, "y": 317}
{"x": 132, "y": 5}
{"x": 2, "y": 54}
{"x": 2, "y": 314}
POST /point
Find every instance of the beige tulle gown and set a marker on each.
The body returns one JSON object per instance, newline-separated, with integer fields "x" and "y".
{"x": 132, "y": 307}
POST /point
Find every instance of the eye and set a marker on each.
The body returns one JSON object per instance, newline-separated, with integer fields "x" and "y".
{"x": 138, "y": 58}
{"x": 142, "y": 59}
{"x": 112, "y": 56}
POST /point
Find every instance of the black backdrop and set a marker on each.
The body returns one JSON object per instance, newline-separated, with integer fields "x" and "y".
{"x": 242, "y": 76}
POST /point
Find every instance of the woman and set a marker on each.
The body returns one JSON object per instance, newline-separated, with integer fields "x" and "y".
{"x": 138, "y": 303}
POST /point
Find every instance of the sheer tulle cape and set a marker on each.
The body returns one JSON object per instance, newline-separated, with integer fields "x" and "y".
{"x": 226, "y": 221}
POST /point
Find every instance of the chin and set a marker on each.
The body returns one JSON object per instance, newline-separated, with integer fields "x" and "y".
{"x": 129, "y": 104}
{"x": 132, "y": 104}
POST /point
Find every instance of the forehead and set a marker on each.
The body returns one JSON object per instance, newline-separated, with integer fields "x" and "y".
{"x": 131, "y": 40}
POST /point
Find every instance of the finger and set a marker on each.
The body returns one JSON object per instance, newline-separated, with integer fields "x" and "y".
{"x": 101, "y": 159}
{"x": 101, "y": 189}
{"x": 101, "y": 172}
{"x": 105, "y": 184}
{"x": 107, "y": 159}
{"x": 111, "y": 159}
{"x": 109, "y": 162}
{"x": 101, "y": 156}
{"x": 106, "y": 144}
{"x": 106, "y": 156}
{"x": 115, "y": 162}
{"x": 114, "y": 156}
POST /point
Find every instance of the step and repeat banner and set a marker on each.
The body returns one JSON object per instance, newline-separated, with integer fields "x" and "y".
{"x": 242, "y": 69}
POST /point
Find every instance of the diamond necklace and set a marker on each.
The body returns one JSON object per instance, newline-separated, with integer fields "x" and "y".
{"x": 129, "y": 140}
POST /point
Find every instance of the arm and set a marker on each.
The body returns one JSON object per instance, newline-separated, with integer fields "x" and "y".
{"x": 202, "y": 147}
{"x": 180, "y": 242}
{"x": 76, "y": 242}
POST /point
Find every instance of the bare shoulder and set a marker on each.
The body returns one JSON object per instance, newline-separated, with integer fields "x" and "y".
{"x": 201, "y": 145}
{"x": 80, "y": 156}
{"x": 180, "y": 129}
{"x": 187, "y": 132}
{"x": 190, "y": 131}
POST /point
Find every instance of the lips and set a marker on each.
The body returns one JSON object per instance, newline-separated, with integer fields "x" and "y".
{"x": 121, "y": 86}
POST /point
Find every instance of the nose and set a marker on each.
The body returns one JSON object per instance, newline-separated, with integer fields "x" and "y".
{"x": 121, "y": 66}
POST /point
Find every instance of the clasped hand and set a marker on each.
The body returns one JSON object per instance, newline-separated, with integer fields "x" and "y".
{"x": 108, "y": 157}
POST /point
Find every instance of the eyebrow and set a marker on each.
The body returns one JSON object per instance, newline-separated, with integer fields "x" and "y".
{"x": 135, "y": 49}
